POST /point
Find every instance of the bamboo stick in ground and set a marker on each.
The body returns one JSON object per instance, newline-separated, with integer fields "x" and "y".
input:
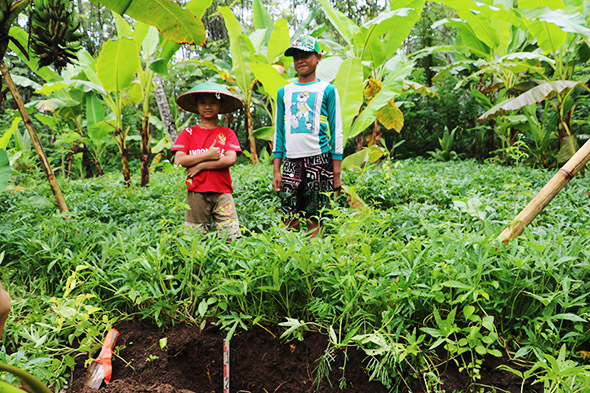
{"x": 61, "y": 203}
{"x": 547, "y": 193}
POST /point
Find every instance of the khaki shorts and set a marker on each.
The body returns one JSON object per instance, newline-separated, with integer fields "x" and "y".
{"x": 207, "y": 205}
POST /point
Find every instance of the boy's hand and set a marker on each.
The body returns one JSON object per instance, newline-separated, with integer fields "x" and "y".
{"x": 193, "y": 171}
{"x": 276, "y": 174}
{"x": 337, "y": 182}
{"x": 213, "y": 153}
{"x": 337, "y": 175}
{"x": 276, "y": 182}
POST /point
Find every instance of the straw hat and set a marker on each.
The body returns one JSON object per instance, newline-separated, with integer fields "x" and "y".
{"x": 228, "y": 102}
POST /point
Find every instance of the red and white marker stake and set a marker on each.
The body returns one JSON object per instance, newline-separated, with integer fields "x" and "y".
{"x": 226, "y": 366}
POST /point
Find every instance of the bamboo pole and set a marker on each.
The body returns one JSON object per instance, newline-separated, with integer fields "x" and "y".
{"x": 542, "y": 199}
{"x": 61, "y": 203}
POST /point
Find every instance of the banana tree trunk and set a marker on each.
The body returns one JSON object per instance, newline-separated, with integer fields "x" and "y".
{"x": 61, "y": 203}
{"x": 359, "y": 142}
{"x": 253, "y": 153}
{"x": 377, "y": 134}
{"x": 120, "y": 136}
{"x": 542, "y": 199}
{"x": 125, "y": 165}
{"x": 145, "y": 151}
{"x": 164, "y": 109}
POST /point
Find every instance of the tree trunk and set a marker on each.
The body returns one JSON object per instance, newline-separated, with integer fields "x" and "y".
{"x": 61, "y": 203}
{"x": 145, "y": 151}
{"x": 164, "y": 109}
{"x": 125, "y": 166}
{"x": 119, "y": 136}
{"x": 253, "y": 153}
{"x": 377, "y": 134}
{"x": 359, "y": 142}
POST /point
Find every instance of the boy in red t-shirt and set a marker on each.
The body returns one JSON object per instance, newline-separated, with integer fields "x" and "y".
{"x": 207, "y": 150}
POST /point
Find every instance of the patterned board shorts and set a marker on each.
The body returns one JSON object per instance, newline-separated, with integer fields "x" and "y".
{"x": 207, "y": 205}
{"x": 307, "y": 185}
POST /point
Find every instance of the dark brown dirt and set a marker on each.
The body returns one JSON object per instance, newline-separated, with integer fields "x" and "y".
{"x": 192, "y": 362}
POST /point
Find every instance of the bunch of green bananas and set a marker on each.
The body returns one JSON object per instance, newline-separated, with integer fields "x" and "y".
{"x": 53, "y": 32}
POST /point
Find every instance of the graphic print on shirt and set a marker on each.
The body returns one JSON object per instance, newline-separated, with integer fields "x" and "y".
{"x": 302, "y": 112}
{"x": 219, "y": 142}
{"x": 221, "y": 139}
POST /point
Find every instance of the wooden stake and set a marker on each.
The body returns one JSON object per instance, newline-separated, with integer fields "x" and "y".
{"x": 542, "y": 199}
{"x": 61, "y": 203}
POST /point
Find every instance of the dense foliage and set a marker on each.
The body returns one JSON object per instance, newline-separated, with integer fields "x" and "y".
{"x": 418, "y": 268}
{"x": 413, "y": 271}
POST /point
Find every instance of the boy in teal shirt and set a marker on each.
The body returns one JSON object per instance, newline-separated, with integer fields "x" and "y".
{"x": 308, "y": 138}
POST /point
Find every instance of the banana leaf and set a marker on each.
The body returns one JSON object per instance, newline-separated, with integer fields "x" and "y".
{"x": 176, "y": 24}
{"x": 545, "y": 91}
{"x": 5, "y": 170}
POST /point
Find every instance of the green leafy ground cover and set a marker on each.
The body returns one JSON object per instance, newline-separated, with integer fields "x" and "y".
{"x": 417, "y": 270}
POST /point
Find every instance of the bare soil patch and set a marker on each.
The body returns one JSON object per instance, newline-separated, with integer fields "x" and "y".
{"x": 192, "y": 362}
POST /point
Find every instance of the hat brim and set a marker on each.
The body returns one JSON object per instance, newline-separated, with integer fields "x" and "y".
{"x": 291, "y": 51}
{"x": 188, "y": 101}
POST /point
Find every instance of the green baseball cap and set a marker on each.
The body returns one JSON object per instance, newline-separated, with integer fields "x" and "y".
{"x": 304, "y": 42}
{"x": 228, "y": 102}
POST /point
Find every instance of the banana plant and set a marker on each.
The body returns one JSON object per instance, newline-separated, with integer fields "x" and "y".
{"x": 177, "y": 24}
{"x": 258, "y": 65}
{"x": 493, "y": 39}
{"x": 142, "y": 86}
{"x": 76, "y": 102}
{"x": 372, "y": 75}
{"x": 562, "y": 31}
{"x": 242, "y": 56}
{"x": 148, "y": 38}
{"x": 491, "y": 44}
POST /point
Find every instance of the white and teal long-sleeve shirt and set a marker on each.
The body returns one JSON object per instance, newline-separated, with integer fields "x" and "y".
{"x": 308, "y": 121}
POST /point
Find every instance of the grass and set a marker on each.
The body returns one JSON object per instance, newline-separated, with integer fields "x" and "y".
{"x": 419, "y": 268}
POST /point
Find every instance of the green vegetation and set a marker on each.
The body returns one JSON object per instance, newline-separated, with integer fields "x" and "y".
{"x": 412, "y": 271}
{"x": 416, "y": 270}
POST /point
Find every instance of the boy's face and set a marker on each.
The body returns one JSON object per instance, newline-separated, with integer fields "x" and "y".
{"x": 305, "y": 62}
{"x": 208, "y": 106}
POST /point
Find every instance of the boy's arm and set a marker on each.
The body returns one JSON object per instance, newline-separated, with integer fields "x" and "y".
{"x": 337, "y": 174}
{"x": 186, "y": 160}
{"x": 279, "y": 141}
{"x": 335, "y": 124}
{"x": 4, "y": 308}
{"x": 279, "y": 148}
{"x": 227, "y": 160}
{"x": 336, "y": 137}
{"x": 276, "y": 175}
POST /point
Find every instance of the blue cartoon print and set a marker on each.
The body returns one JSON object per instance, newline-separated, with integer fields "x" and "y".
{"x": 302, "y": 112}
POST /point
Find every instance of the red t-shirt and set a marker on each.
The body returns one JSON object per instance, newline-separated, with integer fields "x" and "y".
{"x": 196, "y": 140}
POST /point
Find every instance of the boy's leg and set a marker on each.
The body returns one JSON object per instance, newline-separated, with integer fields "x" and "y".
{"x": 4, "y": 308}
{"x": 318, "y": 186}
{"x": 199, "y": 214}
{"x": 292, "y": 192}
{"x": 226, "y": 217}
